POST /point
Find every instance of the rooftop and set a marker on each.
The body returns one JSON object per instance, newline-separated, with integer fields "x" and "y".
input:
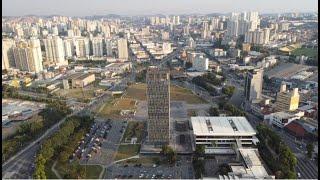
{"x": 220, "y": 126}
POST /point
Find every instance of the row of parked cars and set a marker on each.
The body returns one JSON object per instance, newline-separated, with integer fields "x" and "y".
{"x": 91, "y": 143}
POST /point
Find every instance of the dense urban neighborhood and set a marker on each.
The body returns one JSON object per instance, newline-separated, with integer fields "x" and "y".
{"x": 223, "y": 95}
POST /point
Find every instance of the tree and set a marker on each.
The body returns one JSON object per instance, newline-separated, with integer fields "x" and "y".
{"x": 200, "y": 150}
{"x": 213, "y": 111}
{"x": 310, "y": 148}
{"x": 228, "y": 90}
{"x": 198, "y": 166}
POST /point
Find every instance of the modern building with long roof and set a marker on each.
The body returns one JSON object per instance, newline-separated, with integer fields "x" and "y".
{"x": 221, "y": 135}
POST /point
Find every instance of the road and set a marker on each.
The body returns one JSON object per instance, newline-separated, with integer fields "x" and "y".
{"x": 17, "y": 165}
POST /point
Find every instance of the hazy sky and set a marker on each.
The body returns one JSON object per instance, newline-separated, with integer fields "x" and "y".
{"x": 143, "y": 7}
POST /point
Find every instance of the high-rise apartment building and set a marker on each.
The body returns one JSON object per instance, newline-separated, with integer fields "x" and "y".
{"x": 253, "y": 85}
{"x": 82, "y": 47}
{"x": 7, "y": 53}
{"x": 28, "y": 57}
{"x": 69, "y": 50}
{"x": 108, "y": 47}
{"x": 286, "y": 100}
{"x": 54, "y": 50}
{"x": 97, "y": 46}
{"x": 232, "y": 28}
{"x": 158, "y": 99}
{"x": 123, "y": 48}
{"x": 258, "y": 36}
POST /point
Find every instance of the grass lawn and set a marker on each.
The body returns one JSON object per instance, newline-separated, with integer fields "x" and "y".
{"x": 306, "y": 52}
{"x": 112, "y": 108}
{"x": 125, "y": 151}
{"x": 92, "y": 171}
{"x": 138, "y": 91}
{"x": 77, "y": 93}
{"x": 134, "y": 129}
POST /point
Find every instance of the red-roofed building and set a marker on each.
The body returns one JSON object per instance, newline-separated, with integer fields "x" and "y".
{"x": 296, "y": 129}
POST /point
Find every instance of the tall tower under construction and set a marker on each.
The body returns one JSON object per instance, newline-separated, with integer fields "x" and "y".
{"x": 158, "y": 99}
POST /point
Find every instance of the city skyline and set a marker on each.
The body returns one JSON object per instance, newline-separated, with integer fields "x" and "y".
{"x": 145, "y": 7}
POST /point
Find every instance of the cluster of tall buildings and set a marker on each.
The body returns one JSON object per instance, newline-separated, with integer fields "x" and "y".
{"x": 247, "y": 24}
{"x": 52, "y": 41}
{"x": 156, "y": 20}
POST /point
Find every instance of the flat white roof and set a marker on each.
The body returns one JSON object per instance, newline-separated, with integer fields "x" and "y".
{"x": 221, "y": 126}
{"x": 253, "y": 162}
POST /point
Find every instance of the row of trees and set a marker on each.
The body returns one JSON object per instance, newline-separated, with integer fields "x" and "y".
{"x": 233, "y": 110}
{"x": 61, "y": 145}
{"x": 29, "y": 131}
{"x": 276, "y": 154}
{"x": 11, "y": 92}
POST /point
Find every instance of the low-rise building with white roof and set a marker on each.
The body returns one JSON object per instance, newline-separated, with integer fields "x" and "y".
{"x": 221, "y": 135}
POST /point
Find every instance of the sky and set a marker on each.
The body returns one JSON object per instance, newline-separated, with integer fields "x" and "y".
{"x": 150, "y": 7}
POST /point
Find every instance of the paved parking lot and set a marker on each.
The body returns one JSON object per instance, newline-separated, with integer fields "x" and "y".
{"x": 110, "y": 145}
{"x": 181, "y": 170}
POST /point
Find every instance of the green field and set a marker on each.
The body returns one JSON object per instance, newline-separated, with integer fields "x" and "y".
{"x": 125, "y": 151}
{"x": 91, "y": 171}
{"x": 134, "y": 129}
{"x": 138, "y": 91}
{"x": 111, "y": 109}
{"x": 306, "y": 52}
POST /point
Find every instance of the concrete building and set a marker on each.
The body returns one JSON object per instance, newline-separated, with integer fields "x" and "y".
{"x": 108, "y": 47}
{"x": 54, "y": 50}
{"x": 79, "y": 80}
{"x": 250, "y": 168}
{"x": 118, "y": 68}
{"x": 286, "y": 100}
{"x": 253, "y": 85}
{"x": 97, "y": 46}
{"x": 28, "y": 56}
{"x": 7, "y": 54}
{"x": 123, "y": 49}
{"x": 258, "y": 36}
{"x": 166, "y": 48}
{"x": 283, "y": 118}
{"x": 232, "y": 28}
{"x": 222, "y": 135}
{"x": 200, "y": 63}
{"x": 69, "y": 49}
{"x": 158, "y": 100}
{"x": 82, "y": 47}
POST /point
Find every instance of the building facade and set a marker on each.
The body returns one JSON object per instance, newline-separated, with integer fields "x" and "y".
{"x": 286, "y": 100}
{"x": 253, "y": 85}
{"x": 123, "y": 49}
{"x": 222, "y": 135}
{"x": 54, "y": 50}
{"x": 158, "y": 99}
